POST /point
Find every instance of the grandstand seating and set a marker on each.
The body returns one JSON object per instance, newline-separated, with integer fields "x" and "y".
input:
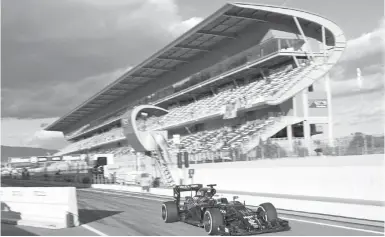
{"x": 246, "y": 96}
{"x": 113, "y": 135}
{"x": 76, "y": 132}
{"x": 205, "y": 143}
{"x": 253, "y": 54}
{"x": 97, "y": 123}
{"x": 223, "y": 138}
{"x": 214, "y": 140}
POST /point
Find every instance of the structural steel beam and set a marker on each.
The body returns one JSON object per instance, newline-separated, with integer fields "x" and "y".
{"x": 156, "y": 68}
{"x": 231, "y": 36}
{"x": 304, "y": 37}
{"x": 191, "y": 47}
{"x": 245, "y": 18}
{"x": 173, "y": 59}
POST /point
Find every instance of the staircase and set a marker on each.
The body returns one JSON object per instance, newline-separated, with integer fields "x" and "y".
{"x": 163, "y": 167}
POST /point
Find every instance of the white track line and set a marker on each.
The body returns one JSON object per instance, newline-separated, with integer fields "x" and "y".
{"x": 92, "y": 229}
{"x": 336, "y": 226}
{"x": 290, "y": 219}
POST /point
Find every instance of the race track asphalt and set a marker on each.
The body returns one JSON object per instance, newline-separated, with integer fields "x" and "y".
{"x": 116, "y": 213}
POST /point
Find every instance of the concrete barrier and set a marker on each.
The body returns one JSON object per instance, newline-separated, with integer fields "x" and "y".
{"x": 48, "y": 207}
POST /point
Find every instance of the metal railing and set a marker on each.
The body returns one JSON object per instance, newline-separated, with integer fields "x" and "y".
{"x": 358, "y": 144}
{"x": 355, "y": 144}
{"x": 79, "y": 176}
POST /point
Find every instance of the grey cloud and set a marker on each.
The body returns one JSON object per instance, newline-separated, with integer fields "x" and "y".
{"x": 48, "y": 45}
{"x": 370, "y": 64}
{"x": 359, "y": 111}
{"x": 55, "y": 53}
{"x": 374, "y": 114}
{"x": 362, "y": 92}
{"x": 365, "y": 52}
{"x": 54, "y": 100}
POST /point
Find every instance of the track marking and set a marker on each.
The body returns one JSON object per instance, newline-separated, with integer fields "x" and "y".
{"x": 128, "y": 195}
{"x": 336, "y": 226}
{"x": 290, "y": 219}
{"x": 92, "y": 229}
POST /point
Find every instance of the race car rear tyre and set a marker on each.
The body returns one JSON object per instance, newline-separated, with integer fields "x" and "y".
{"x": 212, "y": 220}
{"x": 269, "y": 211}
{"x": 170, "y": 212}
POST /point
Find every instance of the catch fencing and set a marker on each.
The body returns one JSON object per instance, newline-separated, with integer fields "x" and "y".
{"x": 357, "y": 144}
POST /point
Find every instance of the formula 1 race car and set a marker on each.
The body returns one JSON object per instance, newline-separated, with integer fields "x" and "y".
{"x": 218, "y": 216}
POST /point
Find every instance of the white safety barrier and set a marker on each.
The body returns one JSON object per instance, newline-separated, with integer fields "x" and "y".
{"x": 348, "y": 177}
{"x": 349, "y": 186}
{"x": 48, "y": 207}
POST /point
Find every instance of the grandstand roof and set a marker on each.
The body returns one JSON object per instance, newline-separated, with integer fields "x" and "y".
{"x": 225, "y": 23}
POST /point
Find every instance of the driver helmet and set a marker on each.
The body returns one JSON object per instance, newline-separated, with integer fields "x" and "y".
{"x": 210, "y": 193}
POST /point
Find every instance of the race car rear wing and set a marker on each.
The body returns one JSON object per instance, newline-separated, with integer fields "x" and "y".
{"x": 185, "y": 188}
{"x": 190, "y": 187}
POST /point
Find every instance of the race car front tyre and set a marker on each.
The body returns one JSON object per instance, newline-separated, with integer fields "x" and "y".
{"x": 212, "y": 220}
{"x": 270, "y": 212}
{"x": 170, "y": 212}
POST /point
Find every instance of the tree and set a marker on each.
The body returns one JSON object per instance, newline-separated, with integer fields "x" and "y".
{"x": 357, "y": 144}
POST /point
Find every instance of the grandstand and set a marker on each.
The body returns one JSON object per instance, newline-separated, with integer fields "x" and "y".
{"x": 241, "y": 78}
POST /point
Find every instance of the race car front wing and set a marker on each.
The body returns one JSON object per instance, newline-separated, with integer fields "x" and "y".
{"x": 281, "y": 225}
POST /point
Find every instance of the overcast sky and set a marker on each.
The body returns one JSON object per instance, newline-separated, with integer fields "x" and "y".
{"x": 56, "y": 53}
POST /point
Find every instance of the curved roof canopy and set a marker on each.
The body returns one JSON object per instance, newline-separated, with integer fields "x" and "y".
{"x": 225, "y": 23}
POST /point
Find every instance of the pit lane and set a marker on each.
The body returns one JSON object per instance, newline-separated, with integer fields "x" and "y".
{"x": 116, "y": 213}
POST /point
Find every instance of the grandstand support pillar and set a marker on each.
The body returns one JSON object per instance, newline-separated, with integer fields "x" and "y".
{"x": 306, "y": 125}
{"x": 289, "y": 131}
{"x": 296, "y": 60}
{"x": 294, "y": 99}
{"x": 304, "y": 37}
{"x": 324, "y": 43}
{"x": 137, "y": 161}
{"x": 330, "y": 110}
{"x": 212, "y": 91}
{"x": 153, "y": 168}
{"x": 263, "y": 74}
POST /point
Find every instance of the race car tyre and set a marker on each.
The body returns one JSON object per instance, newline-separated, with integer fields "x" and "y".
{"x": 170, "y": 212}
{"x": 269, "y": 211}
{"x": 212, "y": 220}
